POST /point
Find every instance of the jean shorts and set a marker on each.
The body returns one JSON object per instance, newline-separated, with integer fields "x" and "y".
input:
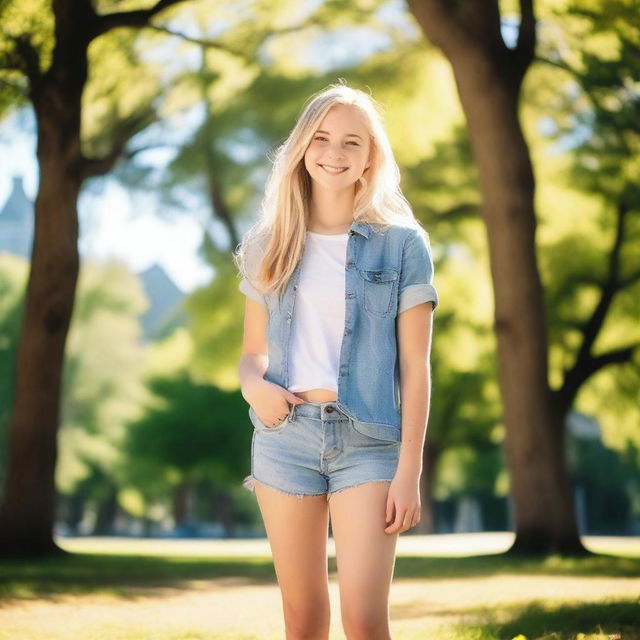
{"x": 315, "y": 451}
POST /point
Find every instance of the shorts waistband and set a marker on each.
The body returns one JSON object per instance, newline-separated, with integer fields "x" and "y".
{"x": 318, "y": 410}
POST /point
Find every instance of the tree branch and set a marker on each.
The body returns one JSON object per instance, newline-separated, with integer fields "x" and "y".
{"x": 526, "y": 43}
{"x": 98, "y": 166}
{"x": 615, "y": 356}
{"x": 138, "y": 18}
{"x": 438, "y": 23}
{"x": 22, "y": 90}
{"x": 24, "y": 58}
{"x": 585, "y": 363}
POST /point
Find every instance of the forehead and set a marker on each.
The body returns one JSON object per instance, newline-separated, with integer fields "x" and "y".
{"x": 344, "y": 118}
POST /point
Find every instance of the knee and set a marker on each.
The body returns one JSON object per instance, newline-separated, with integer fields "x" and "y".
{"x": 365, "y": 625}
{"x": 307, "y": 625}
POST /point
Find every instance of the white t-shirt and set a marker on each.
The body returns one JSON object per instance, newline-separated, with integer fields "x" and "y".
{"x": 319, "y": 314}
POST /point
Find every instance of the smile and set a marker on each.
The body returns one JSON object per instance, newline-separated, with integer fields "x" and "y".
{"x": 333, "y": 170}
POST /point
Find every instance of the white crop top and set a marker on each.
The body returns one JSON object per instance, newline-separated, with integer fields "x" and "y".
{"x": 319, "y": 315}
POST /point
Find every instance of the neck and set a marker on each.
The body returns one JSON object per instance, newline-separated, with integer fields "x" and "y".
{"x": 331, "y": 211}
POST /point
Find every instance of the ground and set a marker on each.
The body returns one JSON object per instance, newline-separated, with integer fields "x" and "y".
{"x": 135, "y": 589}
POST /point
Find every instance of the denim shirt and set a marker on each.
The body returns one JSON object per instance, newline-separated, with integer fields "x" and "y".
{"x": 387, "y": 270}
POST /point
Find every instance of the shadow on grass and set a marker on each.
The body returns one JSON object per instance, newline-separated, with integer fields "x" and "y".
{"x": 615, "y": 620}
{"x": 118, "y": 574}
{"x": 599, "y": 565}
{"x": 126, "y": 575}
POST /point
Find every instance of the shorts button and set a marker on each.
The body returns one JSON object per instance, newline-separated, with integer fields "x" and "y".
{"x": 329, "y": 409}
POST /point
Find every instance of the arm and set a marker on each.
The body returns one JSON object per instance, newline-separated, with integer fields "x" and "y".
{"x": 269, "y": 400}
{"x": 417, "y": 300}
{"x": 254, "y": 358}
{"x": 414, "y": 328}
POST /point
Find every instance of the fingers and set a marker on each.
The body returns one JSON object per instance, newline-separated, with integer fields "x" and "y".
{"x": 279, "y": 420}
{"x": 293, "y": 398}
{"x": 405, "y": 518}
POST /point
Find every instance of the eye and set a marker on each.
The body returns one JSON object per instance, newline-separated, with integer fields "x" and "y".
{"x": 348, "y": 142}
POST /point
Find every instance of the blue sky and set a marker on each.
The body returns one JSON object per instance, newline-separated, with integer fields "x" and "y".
{"x": 109, "y": 226}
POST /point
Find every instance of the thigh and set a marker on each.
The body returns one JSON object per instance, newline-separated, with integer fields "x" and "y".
{"x": 297, "y": 528}
{"x": 365, "y": 554}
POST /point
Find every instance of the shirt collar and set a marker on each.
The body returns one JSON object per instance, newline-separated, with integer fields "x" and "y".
{"x": 361, "y": 227}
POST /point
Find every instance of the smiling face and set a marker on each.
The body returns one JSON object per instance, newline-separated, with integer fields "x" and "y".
{"x": 338, "y": 153}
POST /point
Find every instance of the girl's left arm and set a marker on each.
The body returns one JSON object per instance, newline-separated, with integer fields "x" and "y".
{"x": 414, "y": 329}
{"x": 414, "y": 346}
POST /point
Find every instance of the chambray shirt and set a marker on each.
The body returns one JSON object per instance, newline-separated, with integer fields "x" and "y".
{"x": 387, "y": 270}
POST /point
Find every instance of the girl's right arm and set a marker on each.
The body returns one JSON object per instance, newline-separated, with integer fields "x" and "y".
{"x": 270, "y": 401}
{"x": 255, "y": 351}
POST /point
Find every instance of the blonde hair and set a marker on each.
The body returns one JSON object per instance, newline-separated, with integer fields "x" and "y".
{"x": 270, "y": 249}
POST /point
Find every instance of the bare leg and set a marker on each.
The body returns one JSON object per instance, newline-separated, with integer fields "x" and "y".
{"x": 365, "y": 557}
{"x": 297, "y": 529}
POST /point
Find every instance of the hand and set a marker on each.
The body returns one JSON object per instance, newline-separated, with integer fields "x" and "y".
{"x": 271, "y": 402}
{"x": 403, "y": 502}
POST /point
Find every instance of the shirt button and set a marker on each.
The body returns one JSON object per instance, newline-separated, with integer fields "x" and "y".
{"x": 350, "y": 264}
{"x": 351, "y": 295}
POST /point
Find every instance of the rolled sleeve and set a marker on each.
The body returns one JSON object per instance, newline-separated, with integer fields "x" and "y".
{"x": 251, "y": 292}
{"x": 416, "y": 276}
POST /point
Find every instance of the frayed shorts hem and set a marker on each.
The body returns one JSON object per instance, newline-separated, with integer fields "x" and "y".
{"x": 250, "y": 480}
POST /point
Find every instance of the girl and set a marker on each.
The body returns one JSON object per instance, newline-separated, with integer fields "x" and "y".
{"x": 337, "y": 336}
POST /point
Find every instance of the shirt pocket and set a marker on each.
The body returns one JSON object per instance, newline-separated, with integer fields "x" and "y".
{"x": 378, "y": 289}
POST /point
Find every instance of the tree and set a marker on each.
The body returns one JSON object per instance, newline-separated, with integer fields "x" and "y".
{"x": 488, "y": 75}
{"x": 28, "y": 506}
{"x": 191, "y": 434}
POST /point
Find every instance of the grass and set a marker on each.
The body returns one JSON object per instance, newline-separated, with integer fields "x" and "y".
{"x": 146, "y": 594}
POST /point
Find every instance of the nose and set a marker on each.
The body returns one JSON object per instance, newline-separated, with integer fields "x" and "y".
{"x": 335, "y": 151}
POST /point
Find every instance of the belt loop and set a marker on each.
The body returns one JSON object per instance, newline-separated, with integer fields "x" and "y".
{"x": 292, "y": 412}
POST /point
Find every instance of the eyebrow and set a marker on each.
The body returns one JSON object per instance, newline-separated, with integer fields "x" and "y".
{"x": 355, "y": 135}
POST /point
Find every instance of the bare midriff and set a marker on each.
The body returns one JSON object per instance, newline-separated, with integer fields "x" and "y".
{"x": 316, "y": 395}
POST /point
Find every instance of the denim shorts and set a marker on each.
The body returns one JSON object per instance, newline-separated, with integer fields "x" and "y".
{"x": 315, "y": 451}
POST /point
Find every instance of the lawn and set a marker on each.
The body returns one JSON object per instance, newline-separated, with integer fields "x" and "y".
{"x": 445, "y": 587}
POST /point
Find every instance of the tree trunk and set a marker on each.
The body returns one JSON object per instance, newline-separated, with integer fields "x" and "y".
{"x": 27, "y": 512}
{"x": 74, "y": 512}
{"x": 107, "y": 512}
{"x": 224, "y": 512}
{"x": 488, "y": 77}
{"x": 182, "y": 504}
{"x": 28, "y": 508}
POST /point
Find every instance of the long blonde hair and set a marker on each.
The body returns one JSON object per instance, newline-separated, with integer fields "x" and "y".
{"x": 270, "y": 249}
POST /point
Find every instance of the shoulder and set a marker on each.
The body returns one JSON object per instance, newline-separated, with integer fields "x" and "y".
{"x": 401, "y": 235}
{"x": 253, "y": 250}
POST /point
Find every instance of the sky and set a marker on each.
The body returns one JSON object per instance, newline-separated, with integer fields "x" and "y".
{"x": 109, "y": 225}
